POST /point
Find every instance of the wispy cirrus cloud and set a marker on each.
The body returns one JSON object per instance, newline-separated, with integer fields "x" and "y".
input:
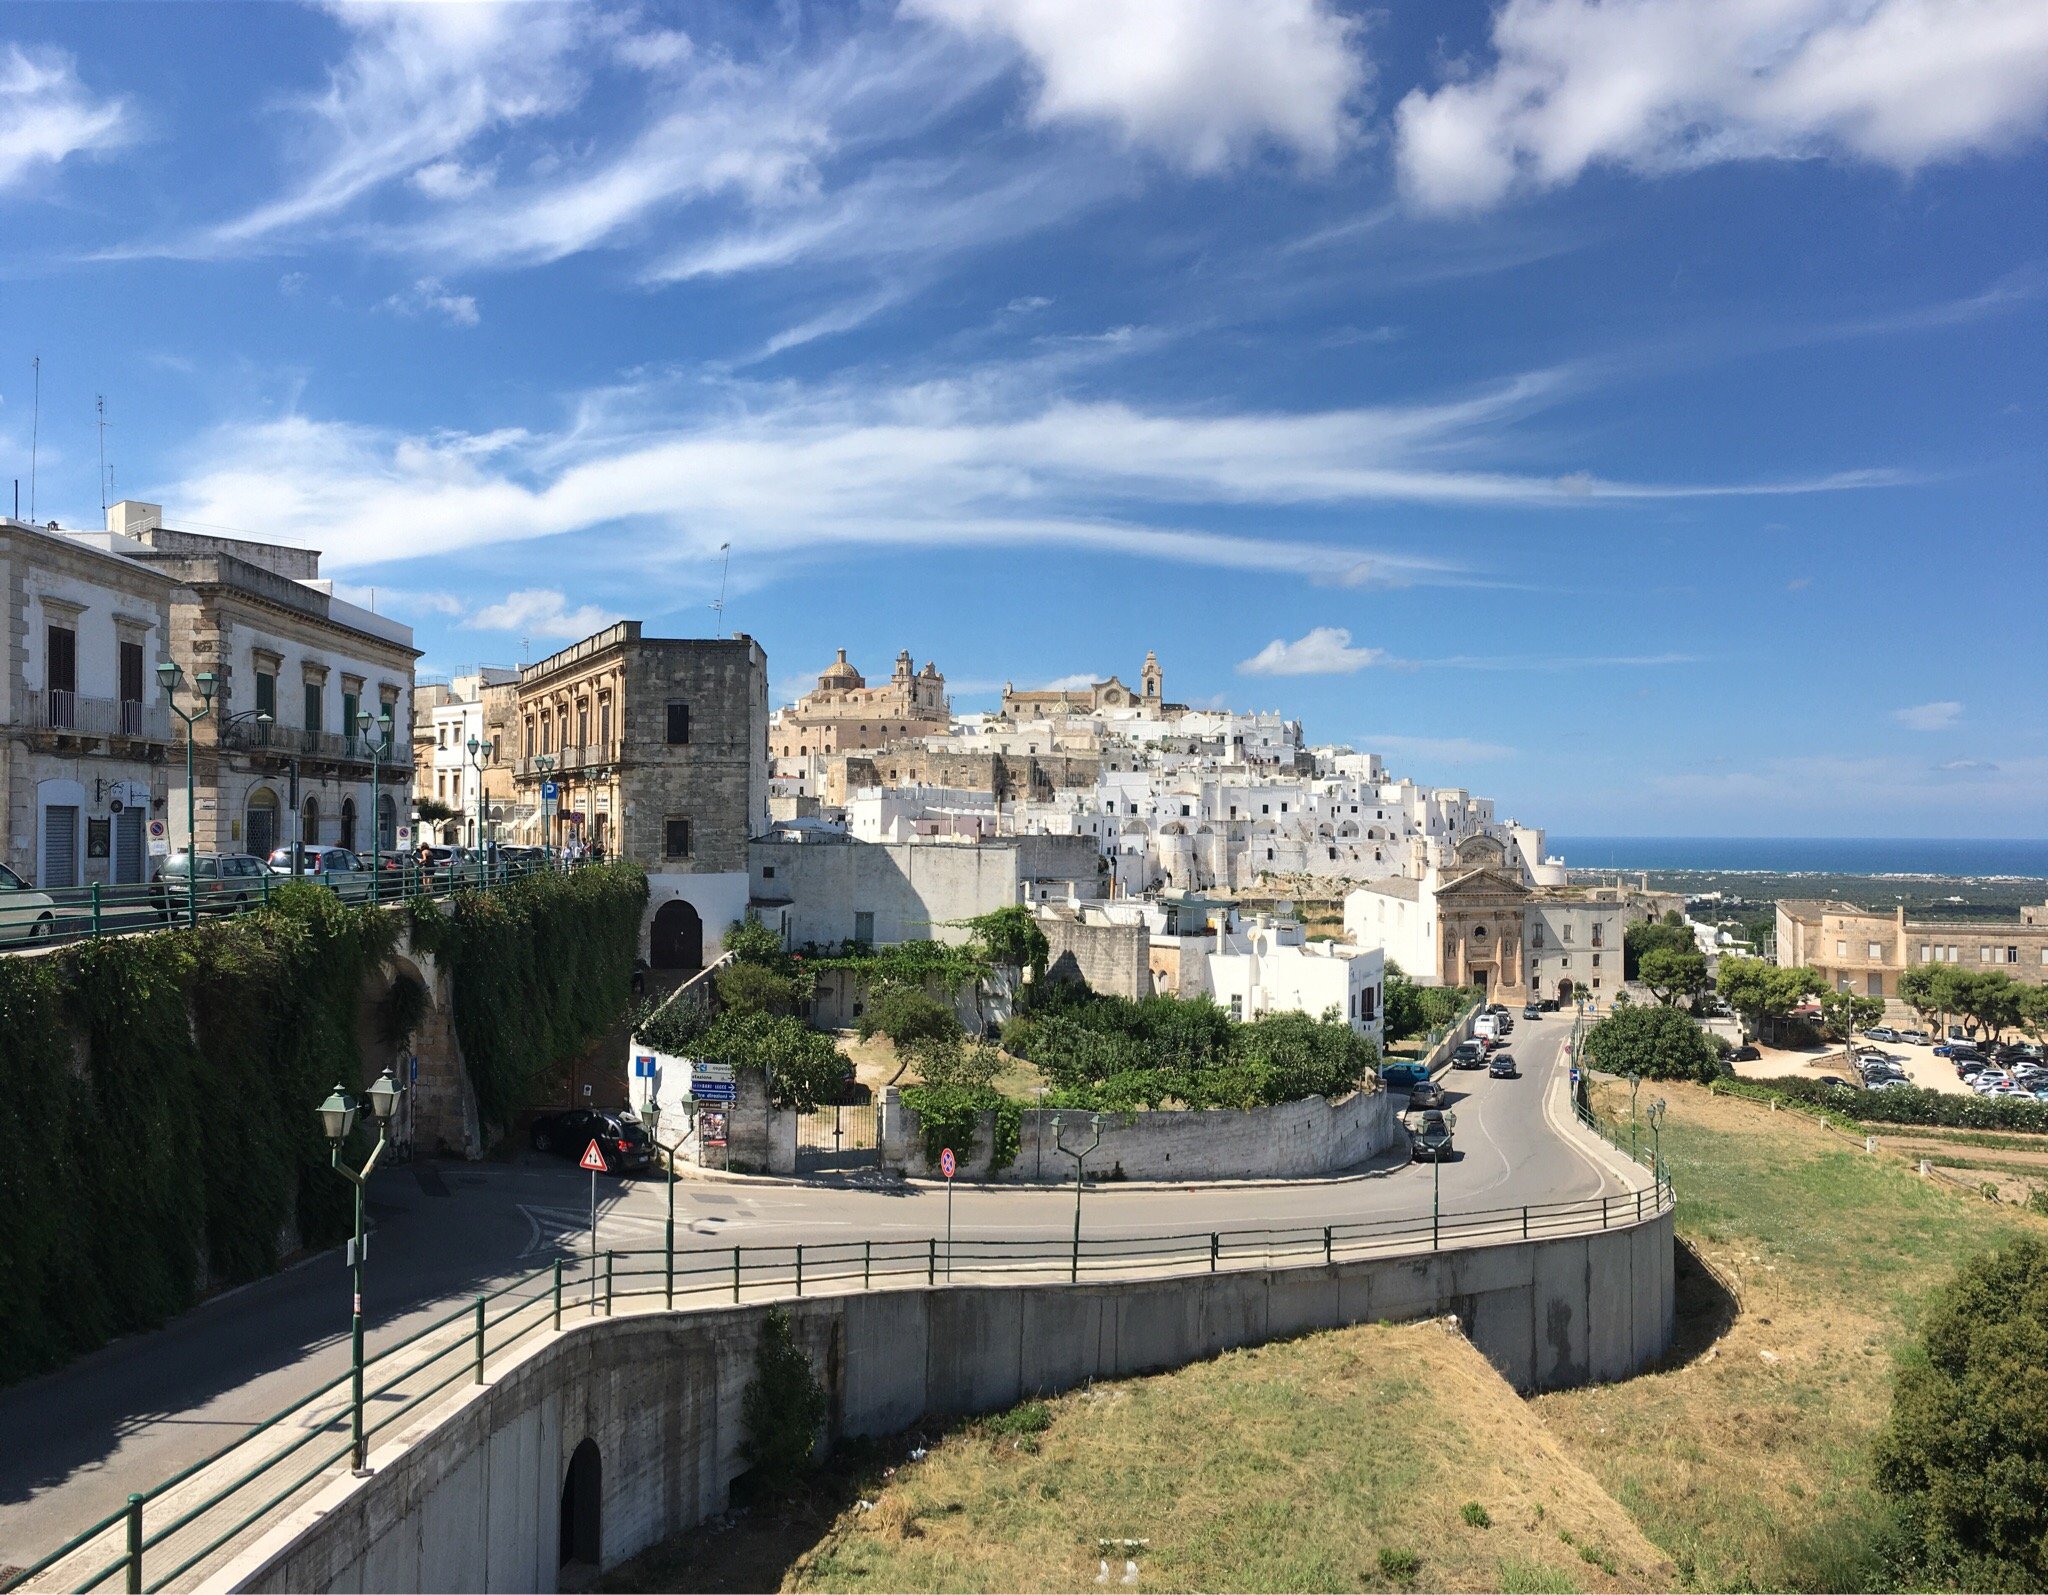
{"x": 47, "y": 115}
{"x": 1666, "y": 85}
{"x": 1929, "y": 716}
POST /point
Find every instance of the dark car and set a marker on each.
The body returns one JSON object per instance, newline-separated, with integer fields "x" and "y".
{"x": 624, "y": 1142}
{"x": 1429, "y": 1135}
{"x": 1401, "y": 1075}
{"x": 1469, "y": 1055}
{"x": 1501, "y": 1066}
{"x": 1533, "y": 1011}
{"x": 1425, "y": 1094}
{"x": 1837, "y": 1081}
{"x": 1744, "y": 1054}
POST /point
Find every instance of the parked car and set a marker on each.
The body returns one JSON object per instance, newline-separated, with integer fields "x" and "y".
{"x": 1917, "y": 1038}
{"x": 1892, "y": 1082}
{"x": 1501, "y": 1066}
{"x": 1836, "y": 1080}
{"x": 1533, "y": 1010}
{"x": 624, "y": 1141}
{"x": 1401, "y": 1075}
{"x": 316, "y": 859}
{"x": 1882, "y": 1033}
{"x": 1496, "y": 1008}
{"x": 1469, "y": 1055}
{"x": 226, "y": 882}
{"x": 1429, "y": 1135}
{"x": 1486, "y": 1027}
{"x": 25, "y": 913}
{"x": 1425, "y": 1094}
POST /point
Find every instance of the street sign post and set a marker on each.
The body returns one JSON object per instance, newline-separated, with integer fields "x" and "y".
{"x": 713, "y": 1082}
{"x": 593, "y": 1160}
{"x": 948, "y": 1166}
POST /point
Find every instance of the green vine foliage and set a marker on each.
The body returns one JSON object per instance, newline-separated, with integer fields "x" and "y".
{"x": 541, "y": 967}
{"x": 910, "y": 963}
{"x": 160, "y": 1133}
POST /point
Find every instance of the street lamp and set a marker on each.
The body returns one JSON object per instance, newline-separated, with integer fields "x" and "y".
{"x": 1635, "y": 1084}
{"x": 337, "y": 1119}
{"x": 171, "y": 677}
{"x": 268, "y": 721}
{"x": 377, "y": 752}
{"x": 545, "y": 764}
{"x": 1655, "y": 1113}
{"x": 669, "y": 1163}
{"x": 1080, "y": 1158}
{"x": 480, "y": 755}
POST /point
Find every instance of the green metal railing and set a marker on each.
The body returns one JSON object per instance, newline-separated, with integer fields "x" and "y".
{"x": 40, "y": 919}
{"x": 171, "y": 1530}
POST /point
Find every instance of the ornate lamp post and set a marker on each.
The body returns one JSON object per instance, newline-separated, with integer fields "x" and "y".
{"x": 1655, "y": 1114}
{"x": 171, "y": 677}
{"x": 480, "y": 756}
{"x": 337, "y": 1119}
{"x": 1080, "y": 1157}
{"x": 377, "y": 752}
{"x": 1635, "y": 1084}
{"x": 545, "y": 763}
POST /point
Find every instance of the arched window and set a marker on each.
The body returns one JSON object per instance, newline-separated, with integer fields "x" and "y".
{"x": 387, "y": 823}
{"x": 259, "y": 828}
{"x": 309, "y": 822}
{"x": 348, "y": 824}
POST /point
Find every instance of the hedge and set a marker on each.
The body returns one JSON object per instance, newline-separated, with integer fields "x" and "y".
{"x": 1911, "y": 1105}
{"x": 160, "y": 1137}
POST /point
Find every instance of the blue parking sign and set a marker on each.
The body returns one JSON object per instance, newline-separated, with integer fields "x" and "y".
{"x": 547, "y": 792}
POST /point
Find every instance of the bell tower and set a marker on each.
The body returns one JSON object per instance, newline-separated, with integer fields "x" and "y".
{"x": 1151, "y": 680}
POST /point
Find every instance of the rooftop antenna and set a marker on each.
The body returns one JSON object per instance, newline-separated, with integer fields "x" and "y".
{"x": 35, "y": 433}
{"x": 99, "y": 403}
{"x": 724, "y": 569}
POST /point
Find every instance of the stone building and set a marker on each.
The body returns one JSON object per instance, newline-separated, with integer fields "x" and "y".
{"x": 480, "y": 707}
{"x": 1866, "y": 953}
{"x": 85, "y": 739}
{"x": 657, "y": 748}
{"x": 843, "y": 712}
{"x": 1092, "y": 698}
{"x": 282, "y": 756}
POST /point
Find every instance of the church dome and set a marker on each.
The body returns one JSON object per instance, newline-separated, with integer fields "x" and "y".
{"x": 840, "y": 674}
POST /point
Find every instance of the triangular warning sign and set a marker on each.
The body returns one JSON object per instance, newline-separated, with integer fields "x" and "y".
{"x": 592, "y": 1160}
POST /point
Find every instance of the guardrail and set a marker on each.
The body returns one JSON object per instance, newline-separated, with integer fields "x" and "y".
{"x": 81, "y": 913}
{"x": 175, "y": 1529}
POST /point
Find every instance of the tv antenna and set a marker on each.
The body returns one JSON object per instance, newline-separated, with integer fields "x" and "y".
{"x": 724, "y": 570}
{"x": 35, "y": 436}
{"x": 99, "y": 402}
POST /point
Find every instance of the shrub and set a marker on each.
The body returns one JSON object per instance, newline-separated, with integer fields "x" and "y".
{"x": 1909, "y": 1105}
{"x": 1399, "y": 1565}
{"x": 782, "y": 1411}
{"x": 1476, "y": 1515}
{"x": 756, "y": 988}
{"x": 1657, "y": 1043}
{"x": 1965, "y": 1452}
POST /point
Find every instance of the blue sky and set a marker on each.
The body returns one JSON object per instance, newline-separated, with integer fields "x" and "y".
{"x": 1630, "y": 410}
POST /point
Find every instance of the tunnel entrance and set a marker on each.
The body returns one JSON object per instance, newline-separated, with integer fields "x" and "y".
{"x": 581, "y": 1541}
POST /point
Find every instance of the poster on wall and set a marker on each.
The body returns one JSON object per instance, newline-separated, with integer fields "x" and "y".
{"x": 710, "y": 1127}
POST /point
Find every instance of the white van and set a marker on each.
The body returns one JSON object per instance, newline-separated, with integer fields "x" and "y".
{"x": 1487, "y": 1027}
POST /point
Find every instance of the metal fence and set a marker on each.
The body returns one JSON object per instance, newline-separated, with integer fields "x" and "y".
{"x": 180, "y": 1531}
{"x": 66, "y": 914}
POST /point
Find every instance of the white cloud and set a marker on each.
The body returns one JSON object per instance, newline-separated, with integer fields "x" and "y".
{"x": 540, "y": 612}
{"x": 1664, "y": 85}
{"x": 1324, "y": 651}
{"x": 452, "y": 180}
{"x": 47, "y": 115}
{"x": 1201, "y": 81}
{"x": 1072, "y": 683}
{"x": 428, "y": 297}
{"x": 1929, "y": 716}
{"x": 989, "y": 459}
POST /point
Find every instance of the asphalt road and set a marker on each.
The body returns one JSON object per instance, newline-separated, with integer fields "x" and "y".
{"x": 73, "y": 1444}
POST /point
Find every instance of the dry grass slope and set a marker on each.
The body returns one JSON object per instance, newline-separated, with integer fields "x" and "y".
{"x": 1285, "y": 1467}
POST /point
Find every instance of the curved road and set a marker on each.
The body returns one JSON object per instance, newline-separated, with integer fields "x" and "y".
{"x": 73, "y": 1444}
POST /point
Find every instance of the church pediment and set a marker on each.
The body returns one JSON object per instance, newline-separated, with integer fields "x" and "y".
{"x": 1482, "y": 883}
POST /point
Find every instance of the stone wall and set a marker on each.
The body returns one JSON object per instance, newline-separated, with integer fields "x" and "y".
{"x": 1115, "y": 960}
{"x": 1292, "y": 1140}
{"x": 471, "y": 1501}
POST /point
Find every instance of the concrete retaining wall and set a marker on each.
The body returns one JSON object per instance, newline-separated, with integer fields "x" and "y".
{"x": 472, "y": 1501}
{"x": 1292, "y": 1140}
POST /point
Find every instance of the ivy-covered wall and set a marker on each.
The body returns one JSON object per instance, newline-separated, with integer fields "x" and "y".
{"x": 158, "y": 1133}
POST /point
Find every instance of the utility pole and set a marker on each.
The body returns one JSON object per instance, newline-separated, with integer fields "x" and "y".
{"x": 99, "y": 403}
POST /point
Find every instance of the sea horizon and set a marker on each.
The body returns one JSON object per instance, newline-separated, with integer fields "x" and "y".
{"x": 1960, "y": 857}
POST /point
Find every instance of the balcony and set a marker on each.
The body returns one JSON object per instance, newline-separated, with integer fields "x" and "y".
{"x": 566, "y": 761}
{"x": 251, "y": 736}
{"x": 96, "y": 719}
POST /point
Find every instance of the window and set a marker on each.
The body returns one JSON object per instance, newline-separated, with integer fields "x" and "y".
{"x": 266, "y": 693}
{"x": 1984, "y": 955}
{"x": 678, "y": 724}
{"x": 131, "y": 673}
{"x": 1873, "y": 985}
{"x": 312, "y": 706}
{"x": 63, "y": 660}
{"x": 349, "y": 703}
{"x": 675, "y": 841}
{"x": 1841, "y": 982}
{"x": 1369, "y": 1003}
{"x": 1236, "y": 1006}
{"x": 1926, "y": 952}
{"x": 583, "y": 725}
{"x": 1596, "y": 982}
{"x": 1536, "y": 937}
{"x": 1841, "y": 949}
{"x": 767, "y": 872}
{"x": 1599, "y": 937}
{"x": 1265, "y": 808}
{"x": 529, "y": 736}
{"x": 1568, "y": 932}
{"x": 547, "y": 734}
{"x": 2012, "y": 955}
{"x": 864, "y": 926}
{"x": 604, "y": 721}
{"x": 1269, "y": 855}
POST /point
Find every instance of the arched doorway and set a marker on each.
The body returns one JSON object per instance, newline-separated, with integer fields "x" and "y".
{"x": 260, "y": 825}
{"x": 1564, "y": 989}
{"x": 582, "y": 1508}
{"x": 348, "y": 824}
{"x": 678, "y": 939}
{"x": 309, "y": 823}
{"x": 387, "y": 824}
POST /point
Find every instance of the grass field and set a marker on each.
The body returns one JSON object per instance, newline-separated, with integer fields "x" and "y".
{"x": 1373, "y": 1458}
{"x": 1748, "y": 1464}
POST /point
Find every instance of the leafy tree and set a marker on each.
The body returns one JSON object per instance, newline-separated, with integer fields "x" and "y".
{"x": 1988, "y": 1001}
{"x": 1673, "y": 973}
{"x": 751, "y": 942}
{"x": 756, "y": 988}
{"x": 1765, "y": 994}
{"x": 782, "y": 1411}
{"x": 2033, "y": 1011}
{"x": 433, "y": 811}
{"x": 1965, "y": 1453}
{"x": 1658, "y": 1043}
{"x": 905, "y": 1014}
{"x": 1412, "y": 1010}
{"x": 1671, "y": 932}
{"x": 1843, "y": 1013}
{"x": 1926, "y": 990}
{"x": 1011, "y": 937}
